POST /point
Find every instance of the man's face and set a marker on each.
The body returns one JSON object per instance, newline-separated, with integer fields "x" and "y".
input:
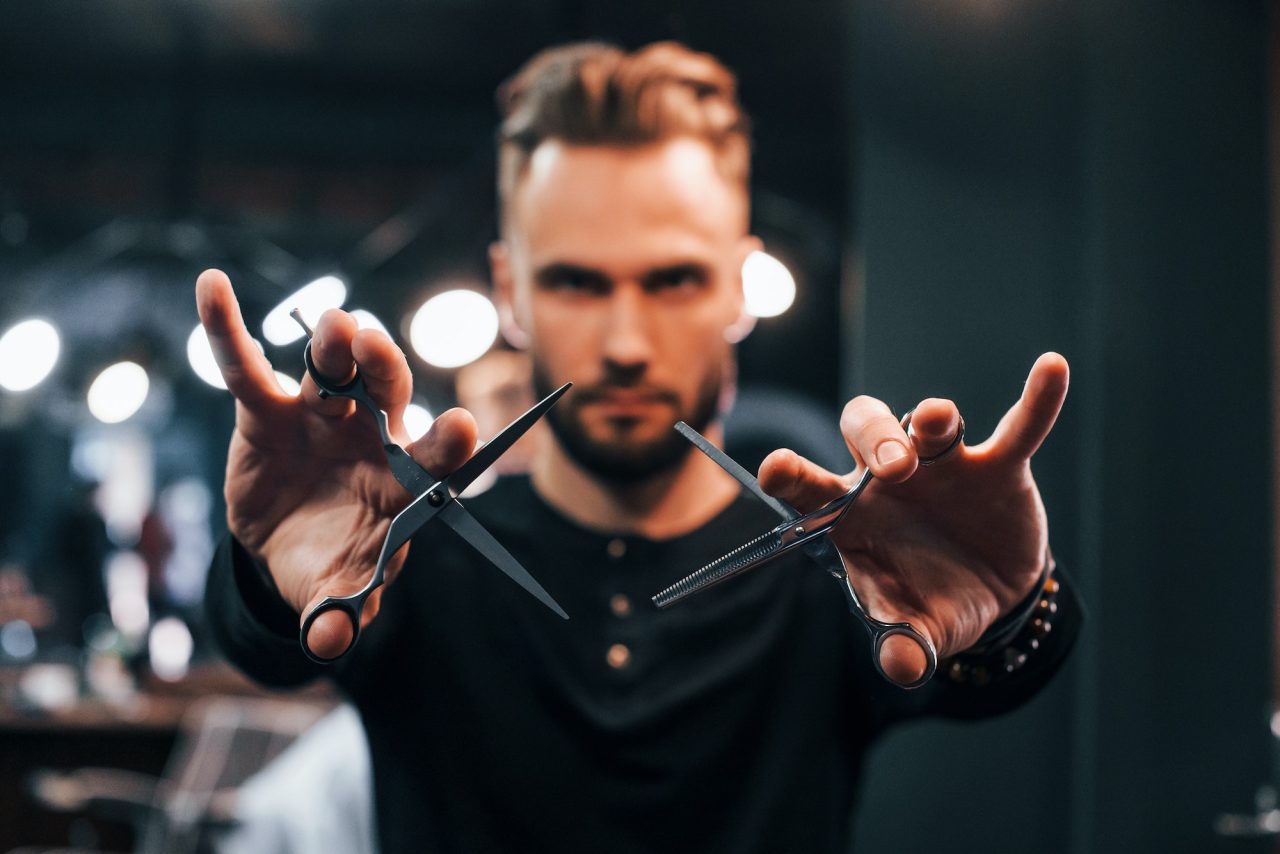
{"x": 623, "y": 265}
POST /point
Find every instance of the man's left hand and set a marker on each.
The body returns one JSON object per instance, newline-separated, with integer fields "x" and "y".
{"x": 948, "y": 547}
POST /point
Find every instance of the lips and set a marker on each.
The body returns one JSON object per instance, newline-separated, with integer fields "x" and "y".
{"x": 625, "y": 402}
{"x": 626, "y": 406}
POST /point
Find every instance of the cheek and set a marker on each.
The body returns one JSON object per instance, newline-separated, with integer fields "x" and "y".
{"x": 564, "y": 335}
{"x": 693, "y": 329}
{"x": 693, "y": 350}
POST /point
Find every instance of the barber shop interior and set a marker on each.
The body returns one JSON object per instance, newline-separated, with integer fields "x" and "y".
{"x": 505, "y": 426}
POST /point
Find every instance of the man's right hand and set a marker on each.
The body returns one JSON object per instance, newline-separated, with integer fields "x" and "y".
{"x": 308, "y": 489}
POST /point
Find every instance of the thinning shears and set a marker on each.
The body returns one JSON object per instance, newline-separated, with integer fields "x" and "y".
{"x": 807, "y": 531}
{"x": 435, "y": 498}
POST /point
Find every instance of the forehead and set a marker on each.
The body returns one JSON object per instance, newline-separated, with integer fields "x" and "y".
{"x": 613, "y": 204}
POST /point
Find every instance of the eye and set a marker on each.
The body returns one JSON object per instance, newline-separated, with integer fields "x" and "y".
{"x": 572, "y": 280}
{"x": 686, "y": 277}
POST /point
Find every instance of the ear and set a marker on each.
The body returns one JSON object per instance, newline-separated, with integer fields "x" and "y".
{"x": 741, "y": 324}
{"x": 504, "y": 292}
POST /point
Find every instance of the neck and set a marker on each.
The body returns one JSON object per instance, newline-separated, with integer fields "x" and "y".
{"x": 666, "y": 505}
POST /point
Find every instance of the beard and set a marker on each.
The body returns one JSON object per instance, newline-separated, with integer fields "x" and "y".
{"x": 625, "y": 461}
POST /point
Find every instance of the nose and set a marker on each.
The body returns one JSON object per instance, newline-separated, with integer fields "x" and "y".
{"x": 628, "y": 347}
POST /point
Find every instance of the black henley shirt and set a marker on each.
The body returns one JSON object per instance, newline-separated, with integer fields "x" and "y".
{"x": 734, "y": 722}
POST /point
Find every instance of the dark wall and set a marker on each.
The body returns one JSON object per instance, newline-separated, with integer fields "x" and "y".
{"x": 1088, "y": 178}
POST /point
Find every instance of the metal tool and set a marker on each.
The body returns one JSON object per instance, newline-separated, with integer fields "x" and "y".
{"x": 436, "y": 498}
{"x": 807, "y": 531}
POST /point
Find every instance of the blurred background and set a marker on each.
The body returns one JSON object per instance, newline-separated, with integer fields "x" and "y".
{"x": 945, "y": 190}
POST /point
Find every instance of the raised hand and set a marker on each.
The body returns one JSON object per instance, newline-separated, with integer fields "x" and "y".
{"x": 308, "y": 489}
{"x": 949, "y": 547}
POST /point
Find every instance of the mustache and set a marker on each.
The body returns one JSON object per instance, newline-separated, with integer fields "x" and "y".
{"x": 583, "y": 394}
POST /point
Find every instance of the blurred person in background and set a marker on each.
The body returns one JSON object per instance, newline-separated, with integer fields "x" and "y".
{"x": 496, "y": 389}
{"x": 735, "y": 722}
{"x": 18, "y": 603}
{"x": 70, "y": 571}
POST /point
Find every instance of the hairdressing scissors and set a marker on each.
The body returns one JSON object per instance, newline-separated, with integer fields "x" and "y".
{"x": 435, "y": 498}
{"x": 807, "y": 531}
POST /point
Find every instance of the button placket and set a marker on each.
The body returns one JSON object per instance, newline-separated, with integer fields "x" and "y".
{"x": 620, "y": 653}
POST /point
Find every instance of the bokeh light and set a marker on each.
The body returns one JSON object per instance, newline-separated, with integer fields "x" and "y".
{"x": 417, "y": 421}
{"x": 118, "y": 392}
{"x": 169, "y": 647}
{"x": 767, "y": 285}
{"x": 312, "y": 300}
{"x": 367, "y": 320}
{"x": 200, "y": 355}
{"x": 288, "y": 384}
{"x": 28, "y": 353}
{"x": 454, "y": 328}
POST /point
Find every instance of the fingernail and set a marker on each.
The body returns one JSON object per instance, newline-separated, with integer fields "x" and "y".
{"x": 889, "y": 452}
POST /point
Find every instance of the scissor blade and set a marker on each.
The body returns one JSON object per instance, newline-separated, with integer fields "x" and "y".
{"x": 406, "y": 524}
{"x": 456, "y": 517}
{"x": 498, "y": 445}
{"x": 741, "y": 475}
{"x": 744, "y": 557}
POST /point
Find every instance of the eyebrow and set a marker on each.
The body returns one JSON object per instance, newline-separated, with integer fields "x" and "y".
{"x": 696, "y": 269}
{"x": 555, "y": 271}
{"x": 558, "y": 270}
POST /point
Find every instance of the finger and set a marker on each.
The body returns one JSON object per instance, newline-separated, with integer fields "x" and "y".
{"x": 934, "y": 425}
{"x": 803, "y": 484}
{"x": 1025, "y": 426}
{"x": 245, "y": 370}
{"x": 332, "y": 357}
{"x": 448, "y": 444}
{"x": 903, "y": 659}
{"x": 387, "y": 376}
{"x": 874, "y": 436}
{"x": 330, "y": 635}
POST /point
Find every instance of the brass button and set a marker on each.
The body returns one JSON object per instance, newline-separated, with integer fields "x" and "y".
{"x": 619, "y": 656}
{"x": 616, "y": 548}
{"x": 620, "y": 605}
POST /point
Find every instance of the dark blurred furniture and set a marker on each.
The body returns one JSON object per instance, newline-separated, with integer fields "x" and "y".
{"x": 151, "y": 777}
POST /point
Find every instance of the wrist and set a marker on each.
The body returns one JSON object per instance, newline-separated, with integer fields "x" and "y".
{"x": 1013, "y": 639}
{"x": 260, "y": 594}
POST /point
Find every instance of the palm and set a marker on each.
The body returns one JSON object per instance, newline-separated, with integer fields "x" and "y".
{"x": 951, "y": 548}
{"x": 315, "y": 493}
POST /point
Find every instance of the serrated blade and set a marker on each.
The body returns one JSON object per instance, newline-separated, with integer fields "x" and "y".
{"x": 744, "y": 557}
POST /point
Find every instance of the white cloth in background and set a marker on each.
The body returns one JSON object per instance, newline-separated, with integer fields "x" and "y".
{"x": 315, "y": 796}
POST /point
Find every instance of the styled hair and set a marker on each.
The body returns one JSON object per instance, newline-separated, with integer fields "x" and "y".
{"x": 590, "y": 93}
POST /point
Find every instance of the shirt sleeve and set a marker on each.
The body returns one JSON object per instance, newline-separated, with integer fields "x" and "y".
{"x": 251, "y": 623}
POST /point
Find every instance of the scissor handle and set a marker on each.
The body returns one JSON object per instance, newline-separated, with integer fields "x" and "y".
{"x": 353, "y": 388}
{"x": 881, "y": 632}
{"x": 351, "y": 606}
{"x": 945, "y": 452}
{"x": 408, "y": 473}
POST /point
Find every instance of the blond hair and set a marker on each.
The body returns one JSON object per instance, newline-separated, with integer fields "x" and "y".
{"x": 597, "y": 94}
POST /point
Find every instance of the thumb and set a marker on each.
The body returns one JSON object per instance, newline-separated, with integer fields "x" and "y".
{"x": 902, "y": 658}
{"x": 331, "y": 633}
{"x": 447, "y": 444}
{"x": 803, "y": 484}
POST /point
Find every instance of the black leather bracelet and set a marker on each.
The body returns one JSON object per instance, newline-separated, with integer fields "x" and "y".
{"x": 1002, "y": 653}
{"x": 1006, "y": 628}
